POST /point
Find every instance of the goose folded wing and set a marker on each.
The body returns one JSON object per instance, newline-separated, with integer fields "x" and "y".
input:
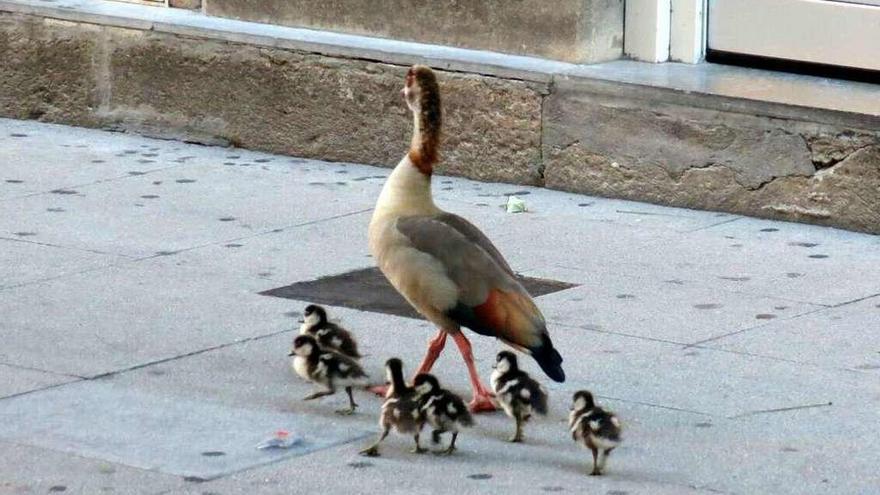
{"x": 490, "y": 300}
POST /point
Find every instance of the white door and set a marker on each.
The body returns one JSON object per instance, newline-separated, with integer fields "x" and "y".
{"x": 835, "y": 32}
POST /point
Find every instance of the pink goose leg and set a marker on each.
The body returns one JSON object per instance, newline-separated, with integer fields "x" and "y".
{"x": 435, "y": 347}
{"x": 482, "y": 401}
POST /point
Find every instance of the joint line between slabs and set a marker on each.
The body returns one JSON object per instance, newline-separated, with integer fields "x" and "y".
{"x": 61, "y": 276}
{"x": 59, "y": 246}
{"x": 744, "y": 330}
{"x": 619, "y": 334}
{"x": 113, "y": 373}
{"x": 860, "y": 299}
{"x": 185, "y": 355}
{"x": 48, "y": 372}
{"x": 92, "y": 183}
{"x": 659, "y": 406}
{"x": 42, "y": 389}
{"x": 258, "y": 234}
{"x": 781, "y": 409}
{"x": 707, "y": 227}
{"x": 684, "y": 346}
{"x": 764, "y": 295}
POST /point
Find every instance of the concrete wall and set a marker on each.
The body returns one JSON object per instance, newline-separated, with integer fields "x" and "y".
{"x": 570, "y": 30}
{"x": 575, "y": 134}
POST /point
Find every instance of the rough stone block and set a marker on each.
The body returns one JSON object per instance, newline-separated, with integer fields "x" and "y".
{"x": 626, "y": 147}
{"x": 46, "y": 69}
{"x": 584, "y": 31}
{"x": 185, "y": 4}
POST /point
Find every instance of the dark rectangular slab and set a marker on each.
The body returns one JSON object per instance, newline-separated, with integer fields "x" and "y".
{"x": 369, "y": 290}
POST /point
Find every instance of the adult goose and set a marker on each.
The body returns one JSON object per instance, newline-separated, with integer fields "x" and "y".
{"x": 442, "y": 264}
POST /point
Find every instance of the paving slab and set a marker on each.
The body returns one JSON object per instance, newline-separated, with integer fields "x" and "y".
{"x": 744, "y": 255}
{"x": 487, "y": 467}
{"x": 534, "y": 241}
{"x": 288, "y": 254}
{"x": 171, "y": 210}
{"x": 127, "y": 315}
{"x": 576, "y": 231}
{"x": 720, "y": 384}
{"x": 194, "y": 439}
{"x": 792, "y": 261}
{"x": 61, "y": 157}
{"x": 580, "y": 209}
{"x": 730, "y": 375}
{"x": 670, "y": 310}
{"x": 561, "y": 235}
{"x": 843, "y": 337}
{"x": 23, "y": 261}
{"x": 686, "y": 413}
{"x": 30, "y": 470}
{"x": 256, "y": 375}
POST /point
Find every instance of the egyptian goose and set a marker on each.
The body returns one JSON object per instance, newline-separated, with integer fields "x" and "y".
{"x": 329, "y": 334}
{"x": 400, "y": 411}
{"x": 442, "y": 264}
{"x": 518, "y": 393}
{"x": 594, "y": 427}
{"x": 442, "y": 409}
{"x": 327, "y": 368}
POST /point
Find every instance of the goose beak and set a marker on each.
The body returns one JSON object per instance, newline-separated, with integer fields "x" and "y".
{"x": 291, "y": 353}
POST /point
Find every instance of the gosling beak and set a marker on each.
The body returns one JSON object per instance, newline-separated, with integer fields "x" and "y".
{"x": 292, "y": 353}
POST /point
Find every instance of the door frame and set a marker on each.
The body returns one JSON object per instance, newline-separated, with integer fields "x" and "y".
{"x": 666, "y": 30}
{"x": 677, "y": 30}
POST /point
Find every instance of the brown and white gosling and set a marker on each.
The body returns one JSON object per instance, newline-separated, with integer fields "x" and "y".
{"x": 445, "y": 411}
{"x": 517, "y": 393}
{"x": 598, "y": 429}
{"x": 328, "y": 368}
{"x": 329, "y": 334}
{"x": 400, "y": 410}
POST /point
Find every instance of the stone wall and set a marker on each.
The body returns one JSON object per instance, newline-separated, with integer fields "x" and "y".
{"x": 570, "y": 30}
{"x": 275, "y": 100}
{"x": 616, "y": 144}
{"x": 608, "y": 139}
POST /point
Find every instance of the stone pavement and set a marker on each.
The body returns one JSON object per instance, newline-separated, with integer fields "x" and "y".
{"x": 138, "y": 356}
